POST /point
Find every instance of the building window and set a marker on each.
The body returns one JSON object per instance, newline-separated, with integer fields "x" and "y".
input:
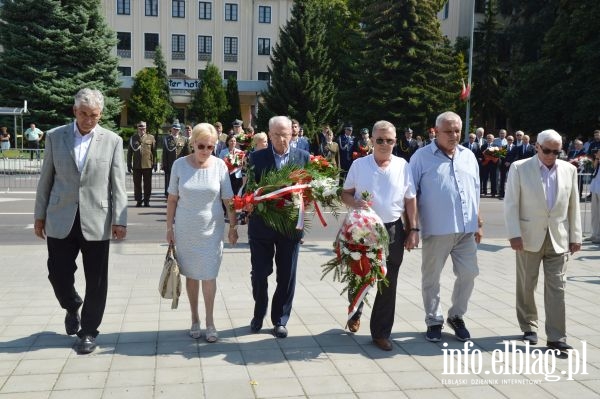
{"x": 446, "y": 10}
{"x": 229, "y": 74}
{"x": 123, "y": 7}
{"x": 178, "y": 8}
{"x": 264, "y": 46}
{"x": 178, "y": 71}
{"x": 231, "y": 12}
{"x": 152, "y": 8}
{"x": 205, "y": 10}
{"x": 480, "y": 6}
{"x": 178, "y": 47}
{"x": 204, "y": 48}
{"x": 231, "y": 49}
{"x": 124, "y": 71}
{"x": 150, "y": 43}
{"x": 124, "y": 44}
{"x": 264, "y": 76}
{"x": 264, "y": 14}
{"x": 201, "y": 73}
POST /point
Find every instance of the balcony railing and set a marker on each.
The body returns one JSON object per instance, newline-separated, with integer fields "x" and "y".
{"x": 124, "y": 53}
{"x": 231, "y": 57}
{"x": 177, "y": 55}
{"x": 149, "y": 54}
{"x": 204, "y": 57}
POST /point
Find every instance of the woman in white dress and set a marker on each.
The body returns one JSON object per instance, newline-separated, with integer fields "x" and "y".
{"x": 199, "y": 184}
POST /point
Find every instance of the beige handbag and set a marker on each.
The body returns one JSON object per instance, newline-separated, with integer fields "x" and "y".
{"x": 169, "y": 285}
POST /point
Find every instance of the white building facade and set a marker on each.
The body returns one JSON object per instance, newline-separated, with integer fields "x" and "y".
{"x": 237, "y": 36}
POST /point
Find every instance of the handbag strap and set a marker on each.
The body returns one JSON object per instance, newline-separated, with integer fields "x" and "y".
{"x": 172, "y": 251}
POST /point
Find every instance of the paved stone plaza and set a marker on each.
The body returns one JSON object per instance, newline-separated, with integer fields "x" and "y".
{"x": 145, "y": 352}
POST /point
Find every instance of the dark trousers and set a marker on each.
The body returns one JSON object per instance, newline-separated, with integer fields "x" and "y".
{"x": 34, "y": 146}
{"x": 489, "y": 173}
{"x": 503, "y": 174}
{"x": 146, "y": 176}
{"x": 285, "y": 251}
{"x": 62, "y": 254}
{"x": 384, "y": 307}
{"x": 167, "y": 181}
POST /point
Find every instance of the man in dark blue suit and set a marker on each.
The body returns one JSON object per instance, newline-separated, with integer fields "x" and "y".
{"x": 266, "y": 243}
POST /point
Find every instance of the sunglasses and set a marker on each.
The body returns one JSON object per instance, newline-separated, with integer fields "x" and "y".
{"x": 548, "y": 151}
{"x": 202, "y": 147}
{"x": 386, "y": 141}
{"x": 141, "y": 127}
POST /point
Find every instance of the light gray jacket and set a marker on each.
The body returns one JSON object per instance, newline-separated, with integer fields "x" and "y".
{"x": 98, "y": 191}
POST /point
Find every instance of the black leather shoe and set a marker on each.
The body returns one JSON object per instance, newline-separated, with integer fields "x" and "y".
{"x": 146, "y": 204}
{"x": 561, "y": 346}
{"x": 86, "y": 345}
{"x": 280, "y": 331}
{"x": 256, "y": 325}
{"x": 531, "y": 336}
{"x": 138, "y": 204}
{"x": 72, "y": 321}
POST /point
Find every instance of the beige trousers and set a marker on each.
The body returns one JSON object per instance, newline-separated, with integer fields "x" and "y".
{"x": 528, "y": 269}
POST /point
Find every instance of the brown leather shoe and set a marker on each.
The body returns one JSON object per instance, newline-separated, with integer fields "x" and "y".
{"x": 353, "y": 325}
{"x": 383, "y": 343}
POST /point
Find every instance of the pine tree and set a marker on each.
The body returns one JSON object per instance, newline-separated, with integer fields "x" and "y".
{"x": 147, "y": 101}
{"x": 560, "y": 89}
{"x": 52, "y": 49}
{"x": 489, "y": 77}
{"x": 301, "y": 81}
{"x": 234, "y": 110}
{"x": 163, "y": 80}
{"x": 209, "y": 101}
{"x": 411, "y": 74}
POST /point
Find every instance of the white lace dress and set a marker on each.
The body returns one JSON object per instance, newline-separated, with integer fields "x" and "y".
{"x": 199, "y": 224}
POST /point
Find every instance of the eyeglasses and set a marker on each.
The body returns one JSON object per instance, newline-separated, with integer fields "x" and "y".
{"x": 386, "y": 141}
{"x": 141, "y": 127}
{"x": 548, "y": 151}
{"x": 202, "y": 147}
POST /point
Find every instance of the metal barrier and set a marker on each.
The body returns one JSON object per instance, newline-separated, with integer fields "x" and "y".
{"x": 20, "y": 173}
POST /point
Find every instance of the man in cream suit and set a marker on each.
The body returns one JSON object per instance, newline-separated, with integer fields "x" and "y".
{"x": 80, "y": 204}
{"x": 542, "y": 217}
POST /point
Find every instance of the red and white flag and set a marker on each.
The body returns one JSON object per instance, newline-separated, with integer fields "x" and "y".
{"x": 465, "y": 92}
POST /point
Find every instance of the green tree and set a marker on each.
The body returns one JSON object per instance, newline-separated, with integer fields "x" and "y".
{"x": 410, "y": 71}
{"x": 560, "y": 89}
{"x": 209, "y": 102}
{"x": 163, "y": 80}
{"x": 148, "y": 101}
{"x": 301, "y": 80}
{"x": 234, "y": 110}
{"x": 51, "y": 49}
{"x": 489, "y": 76}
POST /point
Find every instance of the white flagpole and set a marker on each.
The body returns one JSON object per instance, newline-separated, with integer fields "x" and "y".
{"x": 468, "y": 114}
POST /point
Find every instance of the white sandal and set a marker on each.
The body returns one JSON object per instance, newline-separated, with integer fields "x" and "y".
{"x": 195, "y": 331}
{"x": 211, "y": 334}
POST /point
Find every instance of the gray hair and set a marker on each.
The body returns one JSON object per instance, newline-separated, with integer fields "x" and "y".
{"x": 447, "y": 116}
{"x": 280, "y": 120}
{"x": 384, "y": 125}
{"x": 90, "y": 97}
{"x": 550, "y": 136}
{"x": 259, "y": 136}
{"x": 480, "y": 130}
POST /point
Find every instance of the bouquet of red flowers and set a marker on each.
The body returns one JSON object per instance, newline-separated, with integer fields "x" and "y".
{"x": 244, "y": 139}
{"x": 363, "y": 151}
{"x": 284, "y": 195}
{"x": 361, "y": 247}
{"x": 234, "y": 161}
{"x": 583, "y": 163}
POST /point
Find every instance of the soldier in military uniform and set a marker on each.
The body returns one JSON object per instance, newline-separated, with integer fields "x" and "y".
{"x": 141, "y": 159}
{"x": 174, "y": 146}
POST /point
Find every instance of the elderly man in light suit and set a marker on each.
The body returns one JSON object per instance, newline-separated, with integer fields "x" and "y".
{"x": 80, "y": 204}
{"x": 541, "y": 209}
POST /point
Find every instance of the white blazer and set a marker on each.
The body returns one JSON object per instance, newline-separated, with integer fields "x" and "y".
{"x": 98, "y": 191}
{"x": 525, "y": 211}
